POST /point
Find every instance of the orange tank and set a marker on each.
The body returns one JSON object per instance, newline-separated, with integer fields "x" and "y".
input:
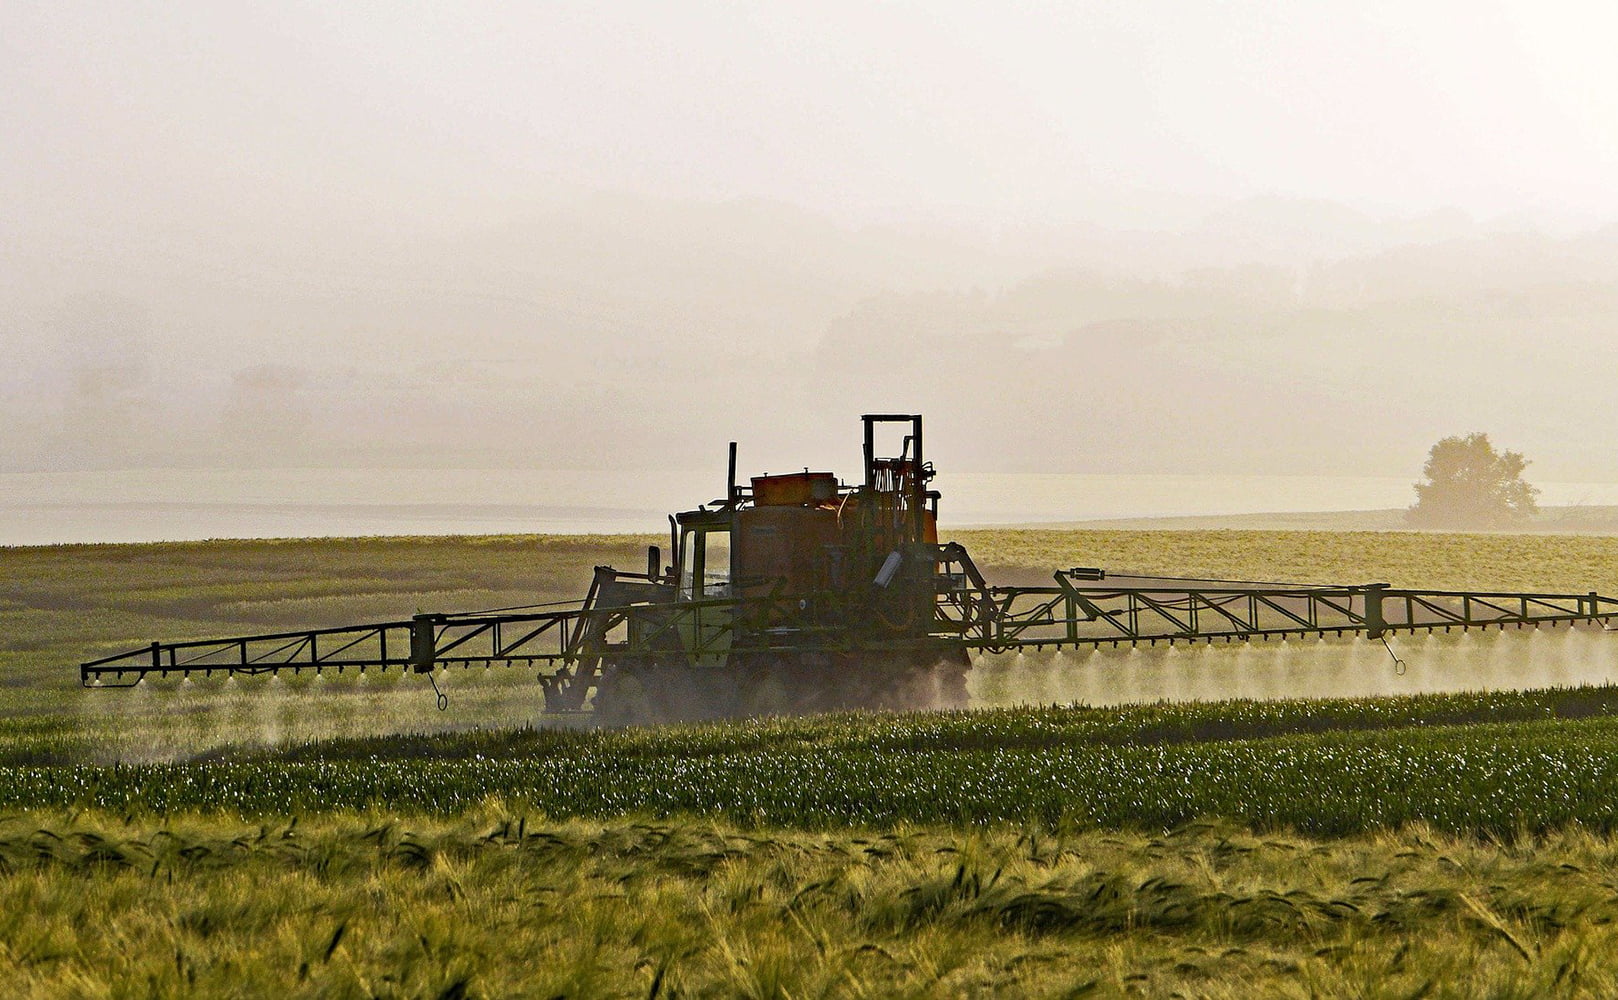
{"x": 798, "y": 489}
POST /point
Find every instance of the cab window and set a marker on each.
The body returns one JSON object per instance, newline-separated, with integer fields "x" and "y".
{"x": 704, "y": 557}
{"x": 716, "y": 564}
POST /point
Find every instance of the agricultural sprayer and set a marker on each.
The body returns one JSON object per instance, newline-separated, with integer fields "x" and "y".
{"x": 800, "y": 593}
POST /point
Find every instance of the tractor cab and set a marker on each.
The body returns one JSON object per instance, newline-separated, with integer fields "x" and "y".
{"x": 702, "y": 552}
{"x": 703, "y": 614}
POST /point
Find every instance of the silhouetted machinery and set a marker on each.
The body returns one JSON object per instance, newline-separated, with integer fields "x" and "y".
{"x": 799, "y": 593}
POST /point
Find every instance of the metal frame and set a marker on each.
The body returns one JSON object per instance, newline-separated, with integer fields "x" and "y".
{"x": 1071, "y": 615}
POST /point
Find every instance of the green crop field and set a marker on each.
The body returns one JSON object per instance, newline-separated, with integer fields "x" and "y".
{"x": 339, "y": 837}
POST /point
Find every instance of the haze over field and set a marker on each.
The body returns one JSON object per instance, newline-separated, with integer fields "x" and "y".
{"x": 1149, "y": 237}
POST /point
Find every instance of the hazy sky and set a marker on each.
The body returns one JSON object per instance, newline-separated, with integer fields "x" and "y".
{"x": 397, "y": 220}
{"x": 859, "y": 110}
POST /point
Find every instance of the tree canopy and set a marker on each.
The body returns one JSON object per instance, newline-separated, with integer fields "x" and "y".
{"x": 1470, "y": 485}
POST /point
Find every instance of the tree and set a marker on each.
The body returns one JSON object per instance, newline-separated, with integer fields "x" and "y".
{"x": 1470, "y": 485}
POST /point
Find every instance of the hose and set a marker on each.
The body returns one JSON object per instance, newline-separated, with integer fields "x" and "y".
{"x": 443, "y": 699}
{"x": 1399, "y": 667}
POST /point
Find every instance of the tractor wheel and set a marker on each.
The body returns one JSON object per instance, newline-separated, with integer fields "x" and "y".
{"x": 785, "y": 684}
{"x": 621, "y": 697}
{"x": 765, "y": 692}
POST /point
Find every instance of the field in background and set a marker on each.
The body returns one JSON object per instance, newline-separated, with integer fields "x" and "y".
{"x": 1589, "y": 519}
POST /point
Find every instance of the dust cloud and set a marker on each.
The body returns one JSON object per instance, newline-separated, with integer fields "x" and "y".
{"x": 1300, "y": 668}
{"x": 169, "y": 720}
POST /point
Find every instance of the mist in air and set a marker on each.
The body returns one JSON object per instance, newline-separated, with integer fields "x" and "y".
{"x": 1149, "y": 237}
{"x": 1299, "y": 667}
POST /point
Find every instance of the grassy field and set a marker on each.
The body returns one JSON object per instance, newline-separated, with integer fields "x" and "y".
{"x": 282, "y": 838}
{"x": 1585, "y": 519}
{"x": 1487, "y": 765}
{"x": 498, "y": 904}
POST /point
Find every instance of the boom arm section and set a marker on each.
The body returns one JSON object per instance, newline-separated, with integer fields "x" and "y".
{"x": 416, "y": 644}
{"x": 1147, "y": 610}
{"x": 551, "y": 636}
